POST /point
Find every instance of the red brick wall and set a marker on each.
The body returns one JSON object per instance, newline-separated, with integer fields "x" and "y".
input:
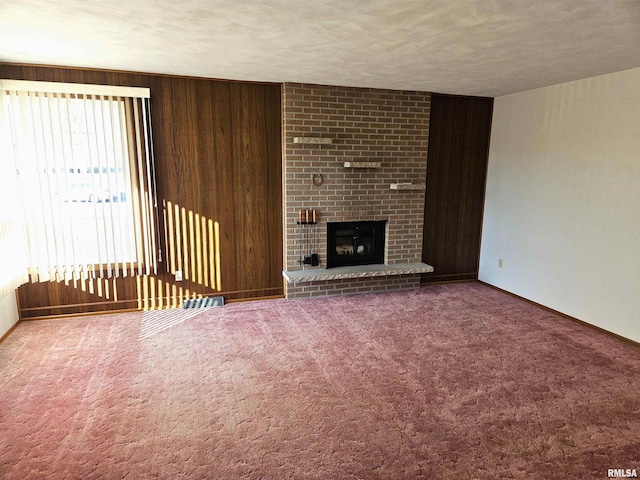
{"x": 387, "y": 126}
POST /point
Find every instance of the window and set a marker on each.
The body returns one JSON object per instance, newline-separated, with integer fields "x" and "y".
{"x": 84, "y": 176}
{"x": 12, "y": 240}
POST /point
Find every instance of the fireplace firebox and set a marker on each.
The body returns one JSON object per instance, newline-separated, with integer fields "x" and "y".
{"x": 355, "y": 243}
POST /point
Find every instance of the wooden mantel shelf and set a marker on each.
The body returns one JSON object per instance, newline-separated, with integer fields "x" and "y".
{"x": 361, "y": 271}
{"x": 362, "y": 164}
{"x": 407, "y": 186}
{"x": 313, "y": 140}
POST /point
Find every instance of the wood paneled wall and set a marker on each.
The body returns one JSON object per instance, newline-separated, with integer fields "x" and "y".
{"x": 459, "y": 134}
{"x": 217, "y": 148}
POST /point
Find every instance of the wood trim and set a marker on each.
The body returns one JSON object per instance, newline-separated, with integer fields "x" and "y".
{"x": 148, "y": 299}
{"x": 8, "y": 332}
{"x": 453, "y": 95}
{"x": 486, "y": 178}
{"x": 124, "y": 310}
{"x": 76, "y": 305}
{"x": 132, "y": 72}
{"x": 18, "y": 304}
{"x": 250, "y": 299}
{"x": 563, "y": 315}
{"x": 452, "y": 277}
{"x": 442, "y": 282}
{"x": 81, "y": 314}
{"x": 450, "y": 274}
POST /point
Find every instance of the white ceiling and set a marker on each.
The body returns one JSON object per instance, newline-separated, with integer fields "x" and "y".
{"x": 470, "y": 47}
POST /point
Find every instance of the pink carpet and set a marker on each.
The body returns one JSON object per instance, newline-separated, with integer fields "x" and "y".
{"x": 447, "y": 382}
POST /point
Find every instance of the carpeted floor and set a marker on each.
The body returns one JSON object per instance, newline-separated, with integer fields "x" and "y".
{"x": 454, "y": 381}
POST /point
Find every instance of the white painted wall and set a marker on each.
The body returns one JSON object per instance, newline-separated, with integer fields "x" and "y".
{"x": 8, "y": 313}
{"x": 563, "y": 199}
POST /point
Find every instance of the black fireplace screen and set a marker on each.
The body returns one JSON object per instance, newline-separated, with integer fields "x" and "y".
{"x": 355, "y": 243}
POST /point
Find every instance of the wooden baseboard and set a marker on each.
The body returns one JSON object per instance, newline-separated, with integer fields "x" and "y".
{"x": 126, "y": 310}
{"x": 444, "y": 281}
{"x": 79, "y": 314}
{"x": 129, "y": 305}
{"x": 451, "y": 277}
{"x": 564, "y": 315}
{"x": 250, "y": 299}
{"x": 8, "y": 332}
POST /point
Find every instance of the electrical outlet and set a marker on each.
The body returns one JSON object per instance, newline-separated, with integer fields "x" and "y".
{"x": 178, "y": 275}
{"x": 500, "y": 263}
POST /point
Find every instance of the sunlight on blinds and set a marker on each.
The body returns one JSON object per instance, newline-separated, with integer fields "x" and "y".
{"x": 12, "y": 239}
{"x": 84, "y": 170}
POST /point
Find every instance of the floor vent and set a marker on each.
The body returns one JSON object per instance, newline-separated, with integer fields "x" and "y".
{"x": 203, "y": 302}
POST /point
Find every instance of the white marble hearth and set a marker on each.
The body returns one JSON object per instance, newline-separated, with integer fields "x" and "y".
{"x": 360, "y": 271}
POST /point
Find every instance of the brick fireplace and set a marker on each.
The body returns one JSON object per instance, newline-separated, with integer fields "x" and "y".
{"x": 354, "y": 154}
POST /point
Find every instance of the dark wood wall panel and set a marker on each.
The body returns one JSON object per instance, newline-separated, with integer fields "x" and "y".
{"x": 456, "y": 175}
{"x": 218, "y": 157}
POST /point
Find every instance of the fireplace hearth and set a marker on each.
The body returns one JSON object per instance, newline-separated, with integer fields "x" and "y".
{"x": 355, "y": 243}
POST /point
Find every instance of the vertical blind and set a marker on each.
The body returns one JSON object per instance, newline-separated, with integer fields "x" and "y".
{"x": 12, "y": 238}
{"x": 83, "y": 171}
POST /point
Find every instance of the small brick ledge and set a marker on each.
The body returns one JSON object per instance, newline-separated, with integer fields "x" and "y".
{"x": 361, "y": 271}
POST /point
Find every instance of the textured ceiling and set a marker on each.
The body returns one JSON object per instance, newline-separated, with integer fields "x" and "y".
{"x": 481, "y": 47}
